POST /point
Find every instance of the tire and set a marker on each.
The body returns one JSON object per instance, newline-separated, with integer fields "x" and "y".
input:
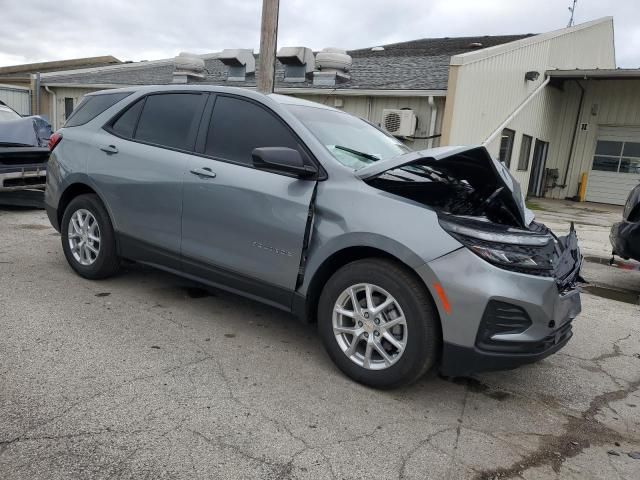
{"x": 420, "y": 335}
{"x": 106, "y": 263}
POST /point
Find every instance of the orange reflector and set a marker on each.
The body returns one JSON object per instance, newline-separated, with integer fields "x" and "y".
{"x": 443, "y": 297}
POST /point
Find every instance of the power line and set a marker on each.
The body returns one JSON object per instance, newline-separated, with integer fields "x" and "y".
{"x": 572, "y": 9}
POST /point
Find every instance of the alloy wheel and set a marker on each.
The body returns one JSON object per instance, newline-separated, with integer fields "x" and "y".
{"x": 369, "y": 326}
{"x": 83, "y": 234}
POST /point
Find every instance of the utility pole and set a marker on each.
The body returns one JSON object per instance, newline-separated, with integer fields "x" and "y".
{"x": 268, "y": 42}
{"x": 572, "y": 9}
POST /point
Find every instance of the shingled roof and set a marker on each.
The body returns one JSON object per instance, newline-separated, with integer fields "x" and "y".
{"x": 414, "y": 65}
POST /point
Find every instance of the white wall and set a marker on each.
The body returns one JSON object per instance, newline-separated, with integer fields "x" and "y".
{"x": 17, "y": 98}
{"x": 370, "y": 108}
{"x": 61, "y": 94}
{"x": 607, "y": 103}
{"x": 486, "y": 86}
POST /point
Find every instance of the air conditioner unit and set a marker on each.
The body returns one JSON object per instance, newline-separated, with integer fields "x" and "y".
{"x": 399, "y": 123}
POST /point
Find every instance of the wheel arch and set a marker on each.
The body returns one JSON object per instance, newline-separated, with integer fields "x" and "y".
{"x": 338, "y": 259}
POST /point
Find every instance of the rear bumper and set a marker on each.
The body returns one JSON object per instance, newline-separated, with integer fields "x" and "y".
{"x": 625, "y": 239}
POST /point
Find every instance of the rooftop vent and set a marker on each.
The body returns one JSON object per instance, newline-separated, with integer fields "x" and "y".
{"x": 475, "y": 45}
{"x": 240, "y": 61}
{"x": 333, "y": 65}
{"x": 377, "y": 49}
{"x": 187, "y": 66}
{"x": 297, "y": 61}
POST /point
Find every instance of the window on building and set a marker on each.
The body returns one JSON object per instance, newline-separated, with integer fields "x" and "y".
{"x": 238, "y": 126}
{"x": 91, "y": 106}
{"x": 618, "y": 157}
{"x": 170, "y": 119}
{"x": 506, "y": 146}
{"x": 525, "y": 152}
{"x": 68, "y": 107}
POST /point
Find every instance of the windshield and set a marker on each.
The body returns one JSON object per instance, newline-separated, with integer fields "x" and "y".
{"x": 352, "y": 141}
{"x": 6, "y": 114}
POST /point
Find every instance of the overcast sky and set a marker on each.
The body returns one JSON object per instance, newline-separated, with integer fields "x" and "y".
{"x": 39, "y": 30}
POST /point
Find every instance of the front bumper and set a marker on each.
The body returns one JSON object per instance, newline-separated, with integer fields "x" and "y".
{"x": 625, "y": 239}
{"x": 471, "y": 286}
{"x": 20, "y": 177}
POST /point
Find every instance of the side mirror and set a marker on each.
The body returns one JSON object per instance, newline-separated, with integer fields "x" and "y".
{"x": 282, "y": 159}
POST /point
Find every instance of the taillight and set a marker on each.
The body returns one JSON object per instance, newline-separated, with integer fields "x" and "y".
{"x": 54, "y": 140}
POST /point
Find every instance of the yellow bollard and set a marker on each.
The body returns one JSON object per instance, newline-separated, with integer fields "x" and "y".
{"x": 582, "y": 189}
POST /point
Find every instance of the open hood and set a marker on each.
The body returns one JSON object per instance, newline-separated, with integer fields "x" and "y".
{"x": 457, "y": 180}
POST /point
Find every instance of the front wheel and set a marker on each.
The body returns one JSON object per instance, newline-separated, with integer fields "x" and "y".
{"x": 88, "y": 240}
{"x": 378, "y": 323}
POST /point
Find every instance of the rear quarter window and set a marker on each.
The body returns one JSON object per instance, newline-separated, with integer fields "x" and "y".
{"x": 93, "y": 105}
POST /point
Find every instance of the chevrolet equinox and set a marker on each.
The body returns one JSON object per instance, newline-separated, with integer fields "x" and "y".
{"x": 405, "y": 259}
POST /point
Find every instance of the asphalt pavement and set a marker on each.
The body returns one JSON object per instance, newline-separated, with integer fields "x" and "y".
{"x": 146, "y": 375}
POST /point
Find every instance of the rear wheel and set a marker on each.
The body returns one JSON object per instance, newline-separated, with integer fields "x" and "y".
{"x": 378, "y": 323}
{"x": 88, "y": 240}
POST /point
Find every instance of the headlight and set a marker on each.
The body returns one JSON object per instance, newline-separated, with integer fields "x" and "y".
{"x": 508, "y": 249}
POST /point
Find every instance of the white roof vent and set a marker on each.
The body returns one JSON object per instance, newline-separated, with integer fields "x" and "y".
{"x": 333, "y": 65}
{"x": 188, "y": 66}
{"x": 377, "y": 49}
{"x": 399, "y": 123}
{"x": 297, "y": 61}
{"x": 240, "y": 61}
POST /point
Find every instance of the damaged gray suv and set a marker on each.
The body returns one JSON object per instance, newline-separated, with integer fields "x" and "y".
{"x": 406, "y": 260}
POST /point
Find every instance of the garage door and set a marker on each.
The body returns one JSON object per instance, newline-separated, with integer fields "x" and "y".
{"x": 616, "y": 165}
{"x": 17, "y": 98}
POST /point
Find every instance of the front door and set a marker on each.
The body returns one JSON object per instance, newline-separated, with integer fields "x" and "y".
{"x": 243, "y": 228}
{"x": 536, "y": 178}
{"x": 139, "y": 166}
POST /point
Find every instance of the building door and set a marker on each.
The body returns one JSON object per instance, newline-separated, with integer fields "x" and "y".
{"x": 616, "y": 165}
{"x": 536, "y": 178}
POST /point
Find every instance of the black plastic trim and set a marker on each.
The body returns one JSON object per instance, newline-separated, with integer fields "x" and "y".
{"x": 459, "y": 361}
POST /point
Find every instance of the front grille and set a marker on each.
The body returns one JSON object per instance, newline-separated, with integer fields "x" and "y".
{"x": 25, "y": 181}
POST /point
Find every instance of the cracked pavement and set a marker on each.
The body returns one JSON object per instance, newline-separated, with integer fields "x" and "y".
{"x": 147, "y": 376}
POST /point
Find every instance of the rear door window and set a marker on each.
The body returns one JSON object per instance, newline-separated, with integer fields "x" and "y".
{"x": 170, "y": 119}
{"x": 238, "y": 126}
{"x": 93, "y": 105}
{"x": 125, "y": 125}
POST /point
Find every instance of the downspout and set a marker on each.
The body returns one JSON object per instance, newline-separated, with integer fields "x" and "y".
{"x": 573, "y": 138}
{"x": 526, "y": 101}
{"x": 54, "y": 112}
{"x": 38, "y": 93}
{"x": 432, "y": 123}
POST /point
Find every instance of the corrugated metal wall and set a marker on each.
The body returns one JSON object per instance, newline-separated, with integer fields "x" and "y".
{"x": 370, "y": 108}
{"x": 17, "y": 98}
{"x": 607, "y": 103}
{"x": 489, "y": 85}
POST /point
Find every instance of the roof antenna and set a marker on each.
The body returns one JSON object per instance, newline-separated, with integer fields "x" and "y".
{"x": 572, "y": 9}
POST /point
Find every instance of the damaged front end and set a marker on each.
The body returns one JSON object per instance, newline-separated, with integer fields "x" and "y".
{"x": 481, "y": 205}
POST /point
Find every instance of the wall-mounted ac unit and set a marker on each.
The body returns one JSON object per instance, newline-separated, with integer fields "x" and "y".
{"x": 399, "y": 123}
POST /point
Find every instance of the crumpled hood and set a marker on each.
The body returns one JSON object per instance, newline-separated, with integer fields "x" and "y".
{"x": 28, "y": 131}
{"x": 474, "y": 164}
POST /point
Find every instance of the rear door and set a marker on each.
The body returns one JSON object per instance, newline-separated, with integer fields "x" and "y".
{"x": 244, "y": 228}
{"x": 139, "y": 167}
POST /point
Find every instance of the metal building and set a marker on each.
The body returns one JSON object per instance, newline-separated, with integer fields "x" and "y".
{"x": 552, "y": 106}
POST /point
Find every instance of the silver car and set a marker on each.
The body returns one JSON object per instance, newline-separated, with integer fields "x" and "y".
{"x": 406, "y": 260}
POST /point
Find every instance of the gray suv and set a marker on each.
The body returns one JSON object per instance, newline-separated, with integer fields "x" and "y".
{"x": 406, "y": 260}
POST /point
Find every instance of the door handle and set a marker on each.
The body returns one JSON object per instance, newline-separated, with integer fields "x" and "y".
{"x": 110, "y": 149}
{"x": 203, "y": 172}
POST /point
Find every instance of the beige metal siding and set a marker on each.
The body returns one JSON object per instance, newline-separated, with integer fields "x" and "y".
{"x": 16, "y": 98}
{"x": 61, "y": 94}
{"x": 607, "y": 103}
{"x": 490, "y": 86}
{"x": 371, "y": 108}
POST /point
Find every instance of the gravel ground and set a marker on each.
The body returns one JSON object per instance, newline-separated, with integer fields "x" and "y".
{"x": 148, "y": 376}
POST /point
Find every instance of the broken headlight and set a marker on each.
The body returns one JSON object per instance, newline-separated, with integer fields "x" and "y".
{"x": 509, "y": 249}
